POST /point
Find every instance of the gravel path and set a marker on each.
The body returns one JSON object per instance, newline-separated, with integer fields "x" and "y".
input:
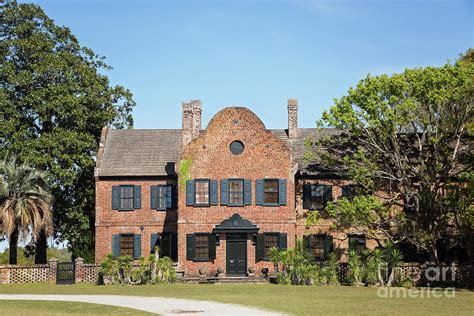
{"x": 160, "y": 305}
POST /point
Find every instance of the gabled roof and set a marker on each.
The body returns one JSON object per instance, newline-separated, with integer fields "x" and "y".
{"x": 155, "y": 152}
{"x": 141, "y": 152}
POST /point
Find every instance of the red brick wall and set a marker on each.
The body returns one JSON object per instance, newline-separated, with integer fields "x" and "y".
{"x": 264, "y": 156}
{"x": 110, "y": 222}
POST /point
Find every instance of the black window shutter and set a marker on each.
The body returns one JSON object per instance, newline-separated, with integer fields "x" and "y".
{"x": 260, "y": 248}
{"x": 282, "y": 241}
{"x": 174, "y": 246}
{"x": 212, "y": 246}
{"x": 116, "y": 245}
{"x": 115, "y": 197}
{"x": 327, "y": 193}
{"x": 224, "y": 191}
{"x": 190, "y": 192}
{"x": 153, "y": 242}
{"x": 307, "y": 196}
{"x": 213, "y": 192}
{"x": 137, "y": 246}
{"x": 259, "y": 192}
{"x": 307, "y": 243}
{"x": 169, "y": 197}
{"x": 137, "y": 197}
{"x": 153, "y": 196}
{"x": 248, "y": 192}
{"x": 282, "y": 191}
{"x": 174, "y": 201}
{"x": 190, "y": 246}
{"x": 327, "y": 246}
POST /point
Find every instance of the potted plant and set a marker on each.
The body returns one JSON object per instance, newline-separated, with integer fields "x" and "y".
{"x": 265, "y": 272}
{"x": 220, "y": 271}
{"x": 202, "y": 272}
{"x": 251, "y": 271}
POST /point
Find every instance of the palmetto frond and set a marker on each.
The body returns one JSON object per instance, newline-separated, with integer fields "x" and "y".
{"x": 25, "y": 202}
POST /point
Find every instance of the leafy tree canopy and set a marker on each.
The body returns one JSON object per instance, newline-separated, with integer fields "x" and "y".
{"x": 54, "y": 101}
{"x": 408, "y": 136}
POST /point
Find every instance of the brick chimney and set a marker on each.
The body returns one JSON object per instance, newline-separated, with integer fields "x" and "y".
{"x": 292, "y": 118}
{"x": 192, "y": 112}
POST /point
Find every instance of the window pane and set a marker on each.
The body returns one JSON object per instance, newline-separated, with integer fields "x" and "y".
{"x": 126, "y": 197}
{"x": 319, "y": 196}
{"x": 161, "y": 198}
{"x": 126, "y": 245}
{"x": 202, "y": 246}
{"x": 317, "y": 246}
{"x": 349, "y": 191}
{"x": 236, "y": 191}
{"x": 165, "y": 245}
{"x": 202, "y": 192}
{"x": 271, "y": 191}
{"x": 271, "y": 240}
{"x": 356, "y": 242}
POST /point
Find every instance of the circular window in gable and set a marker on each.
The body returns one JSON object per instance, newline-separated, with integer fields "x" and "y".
{"x": 236, "y": 147}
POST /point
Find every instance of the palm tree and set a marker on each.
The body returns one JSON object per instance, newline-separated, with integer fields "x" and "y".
{"x": 24, "y": 204}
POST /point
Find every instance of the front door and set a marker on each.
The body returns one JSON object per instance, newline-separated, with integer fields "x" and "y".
{"x": 236, "y": 254}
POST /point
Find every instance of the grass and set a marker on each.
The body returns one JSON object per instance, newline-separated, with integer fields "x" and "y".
{"x": 39, "y": 308}
{"x": 299, "y": 300}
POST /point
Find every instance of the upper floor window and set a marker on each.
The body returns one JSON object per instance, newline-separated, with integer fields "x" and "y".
{"x": 202, "y": 192}
{"x": 126, "y": 197}
{"x": 270, "y": 191}
{"x": 236, "y": 147}
{"x": 236, "y": 192}
{"x": 349, "y": 191}
{"x": 316, "y": 196}
{"x": 163, "y": 197}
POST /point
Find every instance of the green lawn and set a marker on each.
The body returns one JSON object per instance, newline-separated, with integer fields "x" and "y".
{"x": 39, "y": 308}
{"x": 300, "y": 300}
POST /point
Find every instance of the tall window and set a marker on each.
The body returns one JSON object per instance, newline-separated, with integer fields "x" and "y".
{"x": 271, "y": 240}
{"x": 236, "y": 192}
{"x": 202, "y": 192}
{"x": 315, "y": 196}
{"x": 202, "y": 246}
{"x": 126, "y": 197}
{"x": 270, "y": 190}
{"x": 161, "y": 198}
{"x": 126, "y": 245}
{"x": 317, "y": 246}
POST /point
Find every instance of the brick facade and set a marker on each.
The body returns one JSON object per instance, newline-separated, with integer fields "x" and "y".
{"x": 206, "y": 154}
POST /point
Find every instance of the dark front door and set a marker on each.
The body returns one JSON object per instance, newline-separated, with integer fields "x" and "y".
{"x": 236, "y": 254}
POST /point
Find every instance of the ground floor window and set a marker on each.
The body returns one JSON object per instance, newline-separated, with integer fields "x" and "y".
{"x": 200, "y": 246}
{"x": 357, "y": 242}
{"x": 167, "y": 243}
{"x": 126, "y": 245}
{"x": 265, "y": 242}
{"x": 320, "y": 246}
{"x": 271, "y": 240}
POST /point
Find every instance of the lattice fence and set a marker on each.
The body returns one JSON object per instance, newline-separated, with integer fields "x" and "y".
{"x": 24, "y": 274}
{"x": 90, "y": 273}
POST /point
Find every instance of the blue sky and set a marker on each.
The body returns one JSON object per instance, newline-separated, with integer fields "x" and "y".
{"x": 259, "y": 53}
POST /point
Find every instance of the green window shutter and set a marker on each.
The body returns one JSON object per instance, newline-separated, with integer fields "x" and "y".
{"x": 137, "y": 246}
{"x": 248, "y": 192}
{"x": 213, "y": 192}
{"x": 169, "y": 197}
{"x": 189, "y": 192}
{"x": 115, "y": 197}
{"x": 307, "y": 196}
{"x": 224, "y": 191}
{"x": 282, "y": 241}
{"x": 307, "y": 243}
{"x": 174, "y": 246}
{"x": 212, "y": 246}
{"x": 153, "y": 242}
{"x": 116, "y": 245}
{"x": 327, "y": 246}
{"x": 259, "y": 192}
{"x": 190, "y": 246}
{"x": 153, "y": 196}
{"x": 260, "y": 248}
{"x": 137, "y": 197}
{"x": 282, "y": 191}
